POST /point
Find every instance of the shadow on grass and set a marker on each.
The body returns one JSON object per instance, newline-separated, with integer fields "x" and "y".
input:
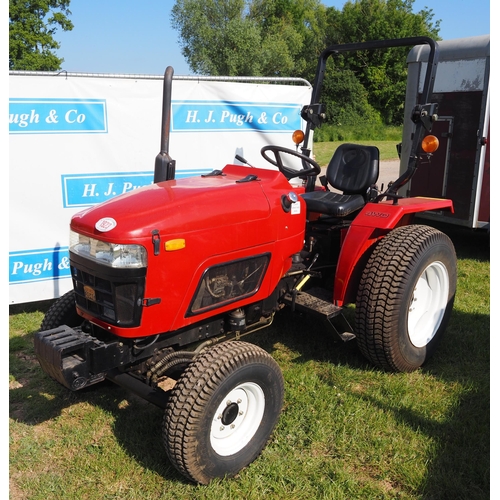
{"x": 469, "y": 243}
{"x": 459, "y": 468}
{"x": 136, "y": 424}
{"x": 35, "y": 399}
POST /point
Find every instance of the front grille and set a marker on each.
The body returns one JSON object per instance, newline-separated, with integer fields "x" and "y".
{"x": 111, "y": 295}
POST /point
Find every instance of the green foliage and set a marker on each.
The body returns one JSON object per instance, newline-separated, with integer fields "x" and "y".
{"x": 217, "y": 37}
{"x": 32, "y": 25}
{"x": 382, "y": 72}
{"x": 301, "y": 24}
{"x": 286, "y": 37}
{"x": 358, "y": 132}
{"x": 238, "y": 38}
{"x": 346, "y": 100}
{"x": 280, "y": 48}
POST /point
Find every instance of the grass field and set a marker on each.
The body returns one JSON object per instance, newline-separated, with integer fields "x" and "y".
{"x": 347, "y": 430}
{"x": 324, "y": 150}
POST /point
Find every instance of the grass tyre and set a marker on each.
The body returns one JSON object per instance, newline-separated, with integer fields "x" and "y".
{"x": 405, "y": 297}
{"x": 62, "y": 312}
{"x": 222, "y": 411}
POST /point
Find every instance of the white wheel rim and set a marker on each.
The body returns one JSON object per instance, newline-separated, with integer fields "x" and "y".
{"x": 237, "y": 419}
{"x": 428, "y": 304}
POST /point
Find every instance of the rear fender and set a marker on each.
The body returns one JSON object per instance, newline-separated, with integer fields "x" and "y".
{"x": 373, "y": 222}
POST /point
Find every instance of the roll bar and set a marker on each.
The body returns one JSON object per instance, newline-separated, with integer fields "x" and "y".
{"x": 423, "y": 115}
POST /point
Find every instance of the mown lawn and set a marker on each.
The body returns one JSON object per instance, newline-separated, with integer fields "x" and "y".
{"x": 324, "y": 150}
{"x": 347, "y": 431}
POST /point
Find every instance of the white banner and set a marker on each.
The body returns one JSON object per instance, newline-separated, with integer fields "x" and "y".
{"x": 79, "y": 140}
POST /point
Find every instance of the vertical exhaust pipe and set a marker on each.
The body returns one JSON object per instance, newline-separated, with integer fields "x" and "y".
{"x": 164, "y": 165}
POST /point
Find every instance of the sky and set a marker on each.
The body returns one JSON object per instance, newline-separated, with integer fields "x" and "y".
{"x": 132, "y": 37}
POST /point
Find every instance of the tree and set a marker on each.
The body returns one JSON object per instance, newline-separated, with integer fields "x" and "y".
{"x": 32, "y": 25}
{"x": 286, "y": 37}
{"x": 383, "y": 72}
{"x": 248, "y": 38}
{"x": 346, "y": 100}
{"x": 217, "y": 37}
{"x": 298, "y": 27}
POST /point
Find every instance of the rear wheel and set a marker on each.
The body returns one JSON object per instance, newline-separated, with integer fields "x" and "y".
{"x": 62, "y": 312}
{"x": 405, "y": 297}
{"x": 222, "y": 411}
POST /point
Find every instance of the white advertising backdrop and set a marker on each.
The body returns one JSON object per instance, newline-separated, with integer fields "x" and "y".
{"x": 77, "y": 140}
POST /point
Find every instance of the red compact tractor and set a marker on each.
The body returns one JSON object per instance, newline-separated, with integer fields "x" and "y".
{"x": 169, "y": 278}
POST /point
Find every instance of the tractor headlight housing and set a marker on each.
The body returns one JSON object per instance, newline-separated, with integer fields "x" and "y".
{"x": 114, "y": 255}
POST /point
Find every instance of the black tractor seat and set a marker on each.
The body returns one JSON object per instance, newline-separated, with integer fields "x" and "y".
{"x": 353, "y": 170}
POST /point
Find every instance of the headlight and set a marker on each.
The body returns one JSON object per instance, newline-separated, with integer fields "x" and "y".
{"x": 109, "y": 254}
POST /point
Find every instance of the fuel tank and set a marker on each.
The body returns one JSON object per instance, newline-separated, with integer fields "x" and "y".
{"x": 240, "y": 220}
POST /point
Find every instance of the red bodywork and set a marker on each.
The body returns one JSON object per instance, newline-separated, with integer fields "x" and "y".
{"x": 373, "y": 222}
{"x": 223, "y": 220}
{"x": 220, "y": 219}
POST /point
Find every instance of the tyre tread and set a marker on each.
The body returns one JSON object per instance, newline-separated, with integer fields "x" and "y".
{"x": 380, "y": 295}
{"x": 62, "y": 312}
{"x": 192, "y": 392}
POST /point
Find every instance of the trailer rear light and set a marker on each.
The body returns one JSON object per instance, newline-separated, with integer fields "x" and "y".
{"x": 297, "y": 136}
{"x": 430, "y": 143}
{"x": 110, "y": 254}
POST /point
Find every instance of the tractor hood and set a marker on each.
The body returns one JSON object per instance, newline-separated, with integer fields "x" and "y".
{"x": 187, "y": 227}
{"x": 240, "y": 201}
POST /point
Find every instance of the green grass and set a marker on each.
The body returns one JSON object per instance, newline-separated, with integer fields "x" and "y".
{"x": 360, "y": 132}
{"x": 324, "y": 150}
{"x": 347, "y": 431}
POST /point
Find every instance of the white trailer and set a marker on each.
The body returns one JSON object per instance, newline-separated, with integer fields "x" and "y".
{"x": 460, "y": 168}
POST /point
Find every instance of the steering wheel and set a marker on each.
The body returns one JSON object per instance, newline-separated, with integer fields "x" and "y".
{"x": 289, "y": 172}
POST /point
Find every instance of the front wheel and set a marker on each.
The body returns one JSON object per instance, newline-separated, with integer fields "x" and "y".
{"x": 405, "y": 297}
{"x": 62, "y": 312}
{"x": 222, "y": 411}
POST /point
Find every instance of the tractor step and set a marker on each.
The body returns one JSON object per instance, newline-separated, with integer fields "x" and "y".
{"x": 318, "y": 303}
